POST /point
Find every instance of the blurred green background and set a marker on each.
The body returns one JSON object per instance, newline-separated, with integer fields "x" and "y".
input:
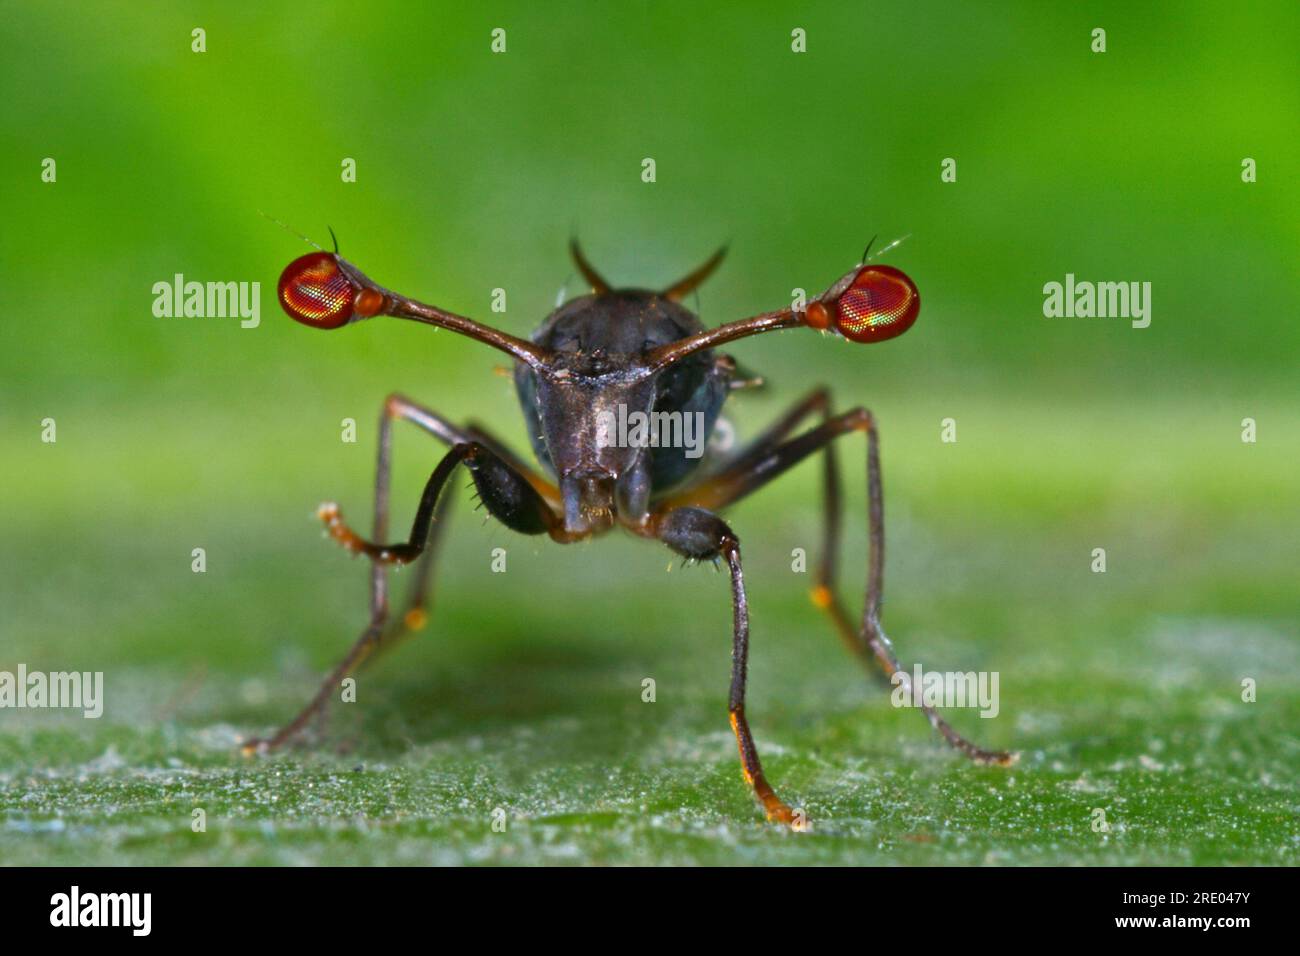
{"x": 1122, "y": 689}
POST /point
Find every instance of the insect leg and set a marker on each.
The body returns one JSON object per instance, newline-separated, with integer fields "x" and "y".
{"x": 508, "y": 495}
{"x": 395, "y": 407}
{"x": 416, "y": 614}
{"x": 368, "y": 642}
{"x": 398, "y": 406}
{"x": 700, "y": 535}
{"x": 708, "y": 487}
{"x": 870, "y": 642}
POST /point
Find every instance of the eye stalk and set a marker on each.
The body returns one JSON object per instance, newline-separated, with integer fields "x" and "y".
{"x": 870, "y": 304}
{"x": 325, "y": 291}
{"x": 875, "y": 303}
{"x": 318, "y": 291}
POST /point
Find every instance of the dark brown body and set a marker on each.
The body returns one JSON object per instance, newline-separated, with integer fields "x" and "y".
{"x": 598, "y": 342}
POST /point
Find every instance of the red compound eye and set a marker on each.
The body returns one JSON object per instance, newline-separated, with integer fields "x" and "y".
{"x": 880, "y": 303}
{"x": 315, "y": 292}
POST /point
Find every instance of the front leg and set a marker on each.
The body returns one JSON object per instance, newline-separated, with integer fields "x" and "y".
{"x": 508, "y": 496}
{"x": 769, "y": 461}
{"x": 703, "y": 536}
